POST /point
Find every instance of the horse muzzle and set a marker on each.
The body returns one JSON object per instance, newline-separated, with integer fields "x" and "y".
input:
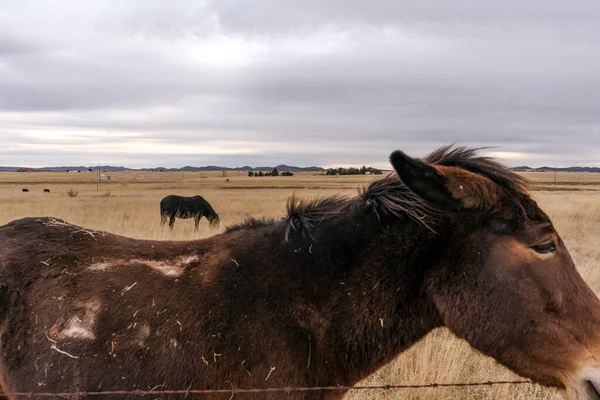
{"x": 585, "y": 385}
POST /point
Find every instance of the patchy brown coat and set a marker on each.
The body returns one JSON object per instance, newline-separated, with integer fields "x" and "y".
{"x": 323, "y": 297}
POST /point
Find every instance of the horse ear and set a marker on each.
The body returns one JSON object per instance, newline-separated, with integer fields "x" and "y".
{"x": 425, "y": 180}
{"x": 449, "y": 188}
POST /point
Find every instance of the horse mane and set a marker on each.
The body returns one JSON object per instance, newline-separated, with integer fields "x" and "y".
{"x": 389, "y": 196}
{"x": 251, "y": 223}
{"x": 468, "y": 159}
{"x": 304, "y": 215}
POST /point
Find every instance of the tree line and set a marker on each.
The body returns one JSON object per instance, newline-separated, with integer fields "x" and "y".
{"x": 272, "y": 173}
{"x": 333, "y": 171}
{"x": 354, "y": 171}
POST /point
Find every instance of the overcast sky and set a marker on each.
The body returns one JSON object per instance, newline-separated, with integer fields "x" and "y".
{"x": 306, "y": 82}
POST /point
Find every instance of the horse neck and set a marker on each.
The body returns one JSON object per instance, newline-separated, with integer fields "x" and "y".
{"x": 355, "y": 283}
{"x": 209, "y": 211}
{"x": 381, "y": 308}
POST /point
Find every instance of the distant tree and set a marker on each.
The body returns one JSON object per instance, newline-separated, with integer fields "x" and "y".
{"x": 260, "y": 173}
{"x": 89, "y": 169}
{"x": 287, "y": 173}
{"x": 267, "y": 174}
{"x": 353, "y": 171}
{"x": 250, "y": 173}
{"x": 275, "y": 172}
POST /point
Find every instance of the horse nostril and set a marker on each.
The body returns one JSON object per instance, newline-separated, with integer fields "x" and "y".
{"x": 592, "y": 390}
{"x": 553, "y": 309}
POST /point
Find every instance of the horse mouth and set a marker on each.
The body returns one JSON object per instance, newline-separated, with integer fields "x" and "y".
{"x": 214, "y": 223}
{"x": 592, "y": 390}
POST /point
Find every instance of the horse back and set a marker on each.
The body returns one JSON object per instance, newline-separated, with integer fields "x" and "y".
{"x": 31, "y": 248}
{"x": 69, "y": 293}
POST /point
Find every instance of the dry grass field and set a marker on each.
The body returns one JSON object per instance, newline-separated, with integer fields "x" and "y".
{"x": 129, "y": 206}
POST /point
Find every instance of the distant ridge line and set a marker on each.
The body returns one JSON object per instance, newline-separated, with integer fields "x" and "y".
{"x": 558, "y": 169}
{"x": 281, "y": 168}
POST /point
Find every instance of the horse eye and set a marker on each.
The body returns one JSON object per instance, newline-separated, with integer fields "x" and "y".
{"x": 543, "y": 248}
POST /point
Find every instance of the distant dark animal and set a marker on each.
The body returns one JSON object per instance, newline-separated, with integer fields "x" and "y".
{"x": 46, "y": 190}
{"x": 187, "y": 207}
{"x": 323, "y": 297}
{"x": 25, "y": 190}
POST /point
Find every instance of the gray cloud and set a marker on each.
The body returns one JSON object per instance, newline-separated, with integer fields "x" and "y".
{"x": 145, "y": 83}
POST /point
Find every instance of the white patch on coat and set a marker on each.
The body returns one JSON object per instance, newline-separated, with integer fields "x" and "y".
{"x": 101, "y": 266}
{"x": 164, "y": 267}
{"x": 173, "y": 267}
{"x": 82, "y": 326}
{"x": 77, "y": 330}
{"x": 142, "y": 335}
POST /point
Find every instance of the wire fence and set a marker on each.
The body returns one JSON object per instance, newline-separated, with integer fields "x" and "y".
{"x": 233, "y": 391}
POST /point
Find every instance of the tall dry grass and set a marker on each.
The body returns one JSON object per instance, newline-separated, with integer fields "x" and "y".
{"x": 131, "y": 209}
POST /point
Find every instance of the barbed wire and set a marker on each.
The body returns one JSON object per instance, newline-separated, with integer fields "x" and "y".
{"x": 233, "y": 391}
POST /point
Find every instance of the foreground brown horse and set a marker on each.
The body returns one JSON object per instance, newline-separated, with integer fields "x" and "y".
{"x": 326, "y": 296}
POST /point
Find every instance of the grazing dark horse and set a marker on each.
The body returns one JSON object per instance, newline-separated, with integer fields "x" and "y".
{"x": 25, "y": 190}
{"x": 187, "y": 207}
{"x": 46, "y": 190}
{"x": 323, "y": 297}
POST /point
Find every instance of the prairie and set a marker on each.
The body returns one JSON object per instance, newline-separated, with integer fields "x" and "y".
{"x": 129, "y": 206}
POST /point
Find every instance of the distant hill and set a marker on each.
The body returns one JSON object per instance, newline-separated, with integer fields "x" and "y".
{"x": 281, "y": 167}
{"x": 521, "y": 168}
{"x": 559, "y": 169}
